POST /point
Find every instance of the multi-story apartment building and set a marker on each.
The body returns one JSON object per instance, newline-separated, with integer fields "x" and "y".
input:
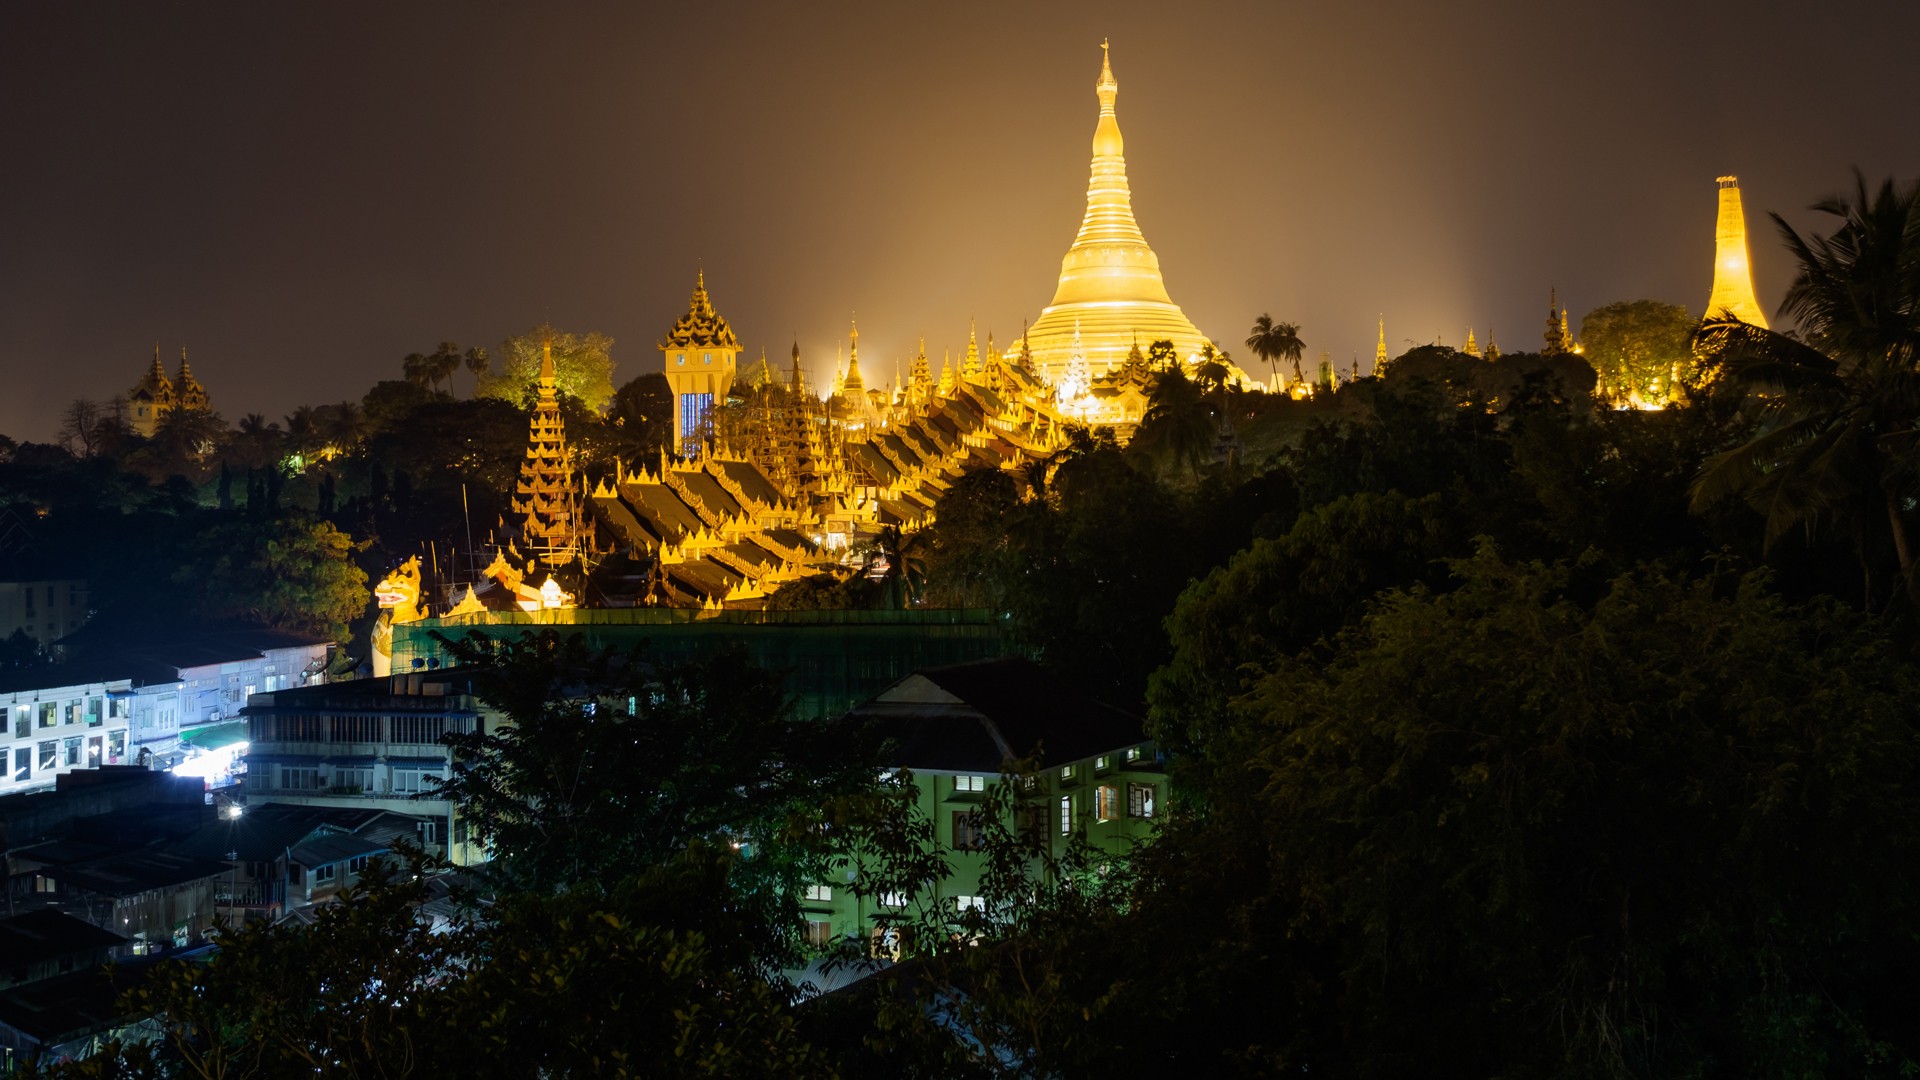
{"x": 367, "y": 743}
{"x": 1085, "y": 771}
{"x": 59, "y": 720}
{"x": 204, "y": 681}
{"x": 45, "y": 609}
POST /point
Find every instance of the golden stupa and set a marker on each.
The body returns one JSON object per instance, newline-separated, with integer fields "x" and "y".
{"x": 1111, "y": 294}
{"x": 1732, "y": 273}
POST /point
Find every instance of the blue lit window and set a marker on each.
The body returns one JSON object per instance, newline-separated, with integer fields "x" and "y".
{"x": 693, "y": 415}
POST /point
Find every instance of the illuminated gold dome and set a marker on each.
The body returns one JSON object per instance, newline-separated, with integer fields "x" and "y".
{"x": 1111, "y": 292}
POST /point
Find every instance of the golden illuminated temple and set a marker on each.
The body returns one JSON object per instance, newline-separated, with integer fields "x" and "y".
{"x": 1732, "y": 273}
{"x": 1111, "y": 294}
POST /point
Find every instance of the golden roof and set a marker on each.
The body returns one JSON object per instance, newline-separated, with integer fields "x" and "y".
{"x": 701, "y": 327}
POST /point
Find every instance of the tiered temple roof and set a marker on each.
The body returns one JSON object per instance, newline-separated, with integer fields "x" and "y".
{"x": 701, "y": 326}
{"x": 544, "y": 499}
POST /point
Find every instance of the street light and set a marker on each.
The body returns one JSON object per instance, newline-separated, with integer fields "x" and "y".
{"x": 232, "y": 812}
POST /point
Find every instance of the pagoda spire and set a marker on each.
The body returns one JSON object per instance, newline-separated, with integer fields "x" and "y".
{"x": 853, "y": 383}
{"x": 1473, "y": 347}
{"x": 972, "y": 365}
{"x": 1110, "y": 278}
{"x": 1380, "y": 349}
{"x": 1732, "y": 274}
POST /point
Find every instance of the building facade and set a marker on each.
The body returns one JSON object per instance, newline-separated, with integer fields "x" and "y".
{"x": 369, "y": 744}
{"x": 1084, "y": 772}
{"x": 59, "y": 721}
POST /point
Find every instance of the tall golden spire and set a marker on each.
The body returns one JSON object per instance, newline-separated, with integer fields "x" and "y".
{"x": 1380, "y": 350}
{"x": 1732, "y": 275}
{"x": 1110, "y": 278}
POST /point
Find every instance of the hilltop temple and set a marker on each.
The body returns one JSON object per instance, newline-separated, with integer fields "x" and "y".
{"x": 1111, "y": 295}
{"x": 157, "y": 395}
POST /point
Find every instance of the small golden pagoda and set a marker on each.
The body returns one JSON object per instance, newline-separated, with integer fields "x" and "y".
{"x": 1732, "y": 274}
{"x": 1110, "y": 291}
{"x": 699, "y": 353}
{"x": 545, "y": 499}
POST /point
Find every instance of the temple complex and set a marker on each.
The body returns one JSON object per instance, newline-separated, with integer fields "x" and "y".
{"x": 157, "y": 395}
{"x": 1732, "y": 274}
{"x": 1111, "y": 293}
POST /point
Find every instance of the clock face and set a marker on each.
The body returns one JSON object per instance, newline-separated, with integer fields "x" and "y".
{"x": 681, "y": 359}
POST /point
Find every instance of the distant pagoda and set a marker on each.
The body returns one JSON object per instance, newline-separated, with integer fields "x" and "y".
{"x": 1111, "y": 292}
{"x": 545, "y": 499}
{"x": 157, "y": 395}
{"x": 1732, "y": 273}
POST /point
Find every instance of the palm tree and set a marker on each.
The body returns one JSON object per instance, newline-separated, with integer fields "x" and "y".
{"x": 1273, "y": 342}
{"x": 417, "y": 368}
{"x": 906, "y": 562}
{"x": 1839, "y": 416}
{"x": 478, "y": 363}
{"x": 443, "y": 363}
{"x": 1178, "y": 424}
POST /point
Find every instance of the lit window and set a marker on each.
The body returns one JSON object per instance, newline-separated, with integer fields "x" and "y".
{"x": 706, "y": 358}
{"x": 1102, "y": 762}
{"x": 820, "y": 893}
{"x": 1106, "y": 803}
{"x": 893, "y": 899}
{"x": 970, "y": 903}
{"x": 1140, "y": 800}
{"x": 1133, "y": 753}
{"x": 969, "y": 783}
{"x": 819, "y": 933}
{"x": 1066, "y": 772}
{"x": 1066, "y": 814}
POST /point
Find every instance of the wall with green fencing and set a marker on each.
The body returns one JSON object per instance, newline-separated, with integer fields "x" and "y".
{"x": 834, "y": 659}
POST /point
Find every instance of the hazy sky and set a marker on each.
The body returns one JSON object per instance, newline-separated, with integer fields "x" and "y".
{"x": 303, "y": 194}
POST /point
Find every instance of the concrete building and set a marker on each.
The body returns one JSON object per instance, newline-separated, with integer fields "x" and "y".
{"x": 62, "y": 719}
{"x": 369, "y": 744}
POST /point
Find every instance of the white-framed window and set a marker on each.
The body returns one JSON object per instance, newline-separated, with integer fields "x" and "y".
{"x": 357, "y": 864}
{"x": 819, "y": 933}
{"x": 970, "y": 903}
{"x": 1132, "y": 754}
{"x": 1066, "y": 814}
{"x": 893, "y": 899}
{"x": 819, "y": 893}
{"x": 1102, "y": 763}
{"x": 323, "y": 873}
{"x": 1066, "y": 772}
{"x": 969, "y": 783}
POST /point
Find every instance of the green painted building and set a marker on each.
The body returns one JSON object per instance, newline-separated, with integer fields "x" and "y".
{"x": 958, "y": 730}
{"x": 835, "y": 659}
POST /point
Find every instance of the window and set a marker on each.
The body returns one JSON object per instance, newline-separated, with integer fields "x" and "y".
{"x": 70, "y": 752}
{"x": 410, "y": 781}
{"x": 706, "y": 358}
{"x": 322, "y": 873}
{"x": 1066, "y": 814}
{"x": 1106, "y": 803}
{"x": 693, "y": 414}
{"x": 1140, "y": 800}
{"x": 968, "y": 835}
{"x": 118, "y": 708}
{"x": 294, "y": 778}
{"x": 819, "y": 933}
{"x": 1132, "y": 754}
{"x": 116, "y": 746}
{"x": 94, "y": 711}
{"x": 1102, "y": 763}
{"x": 1066, "y": 772}
{"x": 969, "y": 783}
{"x": 49, "y": 714}
{"x": 22, "y": 721}
{"x": 353, "y": 779}
{"x": 22, "y": 764}
{"x": 893, "y": 899}
{"x": 357, "y": 864}
{"x": 73, "y": 712}
{"x": 971, "y": 903}
{"x": 49, "y": 755}
{"x": 819, "y": 893}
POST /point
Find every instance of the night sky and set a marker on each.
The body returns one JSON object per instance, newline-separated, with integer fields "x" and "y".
{"x": 303, "y": 194}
